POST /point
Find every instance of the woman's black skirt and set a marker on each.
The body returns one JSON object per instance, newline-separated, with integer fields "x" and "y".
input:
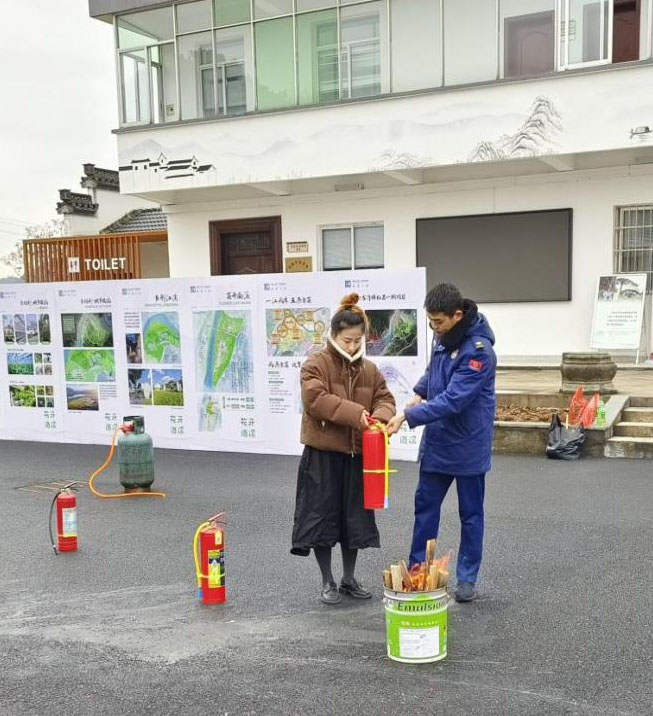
{"x": 329, "y": 503}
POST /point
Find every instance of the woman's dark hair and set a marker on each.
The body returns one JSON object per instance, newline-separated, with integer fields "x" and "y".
{"x": 348, "y": 315}
{"x": 444, "y": 298}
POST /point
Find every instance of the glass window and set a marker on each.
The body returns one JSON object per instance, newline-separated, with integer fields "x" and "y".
{"x": 134, "y": 87}
{"x": 233, "y": 68}
{"x": 363, "y": 50}
{"x": 416, "y": 23}
{"x": 194, "y": 16}
{"x": 527, "y": 30}
{"x": 271, "y": 8}
{"x": 145, "y": 28}
{"x": 317, "y": 57}
{"x": 336, "y": 249}
{"x": 634, "y": 241}
{"x": 275, "y": 63}
{"x": 196, "y": 76}
{"x": 584, "y": 32}
{"x": 356, "y": 247}
{"x": 163, "y": 83}
{"x": 314, "y": 4}
{"x": 231, "y": 12}
{"x": 470, "y": 41}
{"x": 368, "y": 247}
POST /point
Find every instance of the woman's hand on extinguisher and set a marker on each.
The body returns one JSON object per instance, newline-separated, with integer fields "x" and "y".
{"x": 364, "y": 421}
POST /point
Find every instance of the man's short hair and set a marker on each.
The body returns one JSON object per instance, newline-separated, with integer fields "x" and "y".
{"x": 444, "y": 298}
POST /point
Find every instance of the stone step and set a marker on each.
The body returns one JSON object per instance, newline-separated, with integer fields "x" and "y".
{"x": 637, "y": 415}
{"x": 629, "y": 447}
{"x": 641, "y": 402}
{"x": 634, "y": 430}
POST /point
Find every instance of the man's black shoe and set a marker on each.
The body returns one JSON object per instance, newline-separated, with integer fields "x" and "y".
{"x": 465, "y": 592}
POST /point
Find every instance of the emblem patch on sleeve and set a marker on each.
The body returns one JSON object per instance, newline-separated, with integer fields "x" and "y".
{"x": 476, "y": 365}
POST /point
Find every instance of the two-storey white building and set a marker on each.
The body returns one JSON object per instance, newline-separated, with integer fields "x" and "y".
{"x": 506, "y": 145}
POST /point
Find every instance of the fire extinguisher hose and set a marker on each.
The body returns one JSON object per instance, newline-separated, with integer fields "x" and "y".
{"x": 52, "y": 542}
{"x": 198, "y": 568}
{"x": 105, "y": 465}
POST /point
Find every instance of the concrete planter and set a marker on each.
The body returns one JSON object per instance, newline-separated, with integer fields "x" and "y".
{"x": 593, "y": 372}
{"x": 515, "y": 438}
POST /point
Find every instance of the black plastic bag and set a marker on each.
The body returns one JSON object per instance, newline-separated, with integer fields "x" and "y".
{"x": 564, "y": 443}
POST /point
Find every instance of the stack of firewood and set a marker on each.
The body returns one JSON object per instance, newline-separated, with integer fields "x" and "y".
{"x": 428, "y": 576}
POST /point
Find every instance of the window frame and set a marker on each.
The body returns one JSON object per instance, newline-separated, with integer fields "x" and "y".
{"x": 352, "y": 244}
{"x": 620, "y": 253}
{"x": 562, "y": 46}
{"x": 382, "y": 84}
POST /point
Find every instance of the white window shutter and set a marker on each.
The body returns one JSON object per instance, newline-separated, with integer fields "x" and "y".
{"x": 368, "y": 247}
{"x": 336, "y": 249}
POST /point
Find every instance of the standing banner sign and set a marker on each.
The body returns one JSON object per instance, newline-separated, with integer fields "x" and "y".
{"x": 211, "y": 363}
{"x": 619, "y": 311}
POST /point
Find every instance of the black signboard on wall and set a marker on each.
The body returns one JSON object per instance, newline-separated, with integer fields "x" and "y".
{"x": 500, "y": 258}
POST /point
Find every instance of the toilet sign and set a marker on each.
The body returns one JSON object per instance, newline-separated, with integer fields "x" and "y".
{"x": 114, "y": 263}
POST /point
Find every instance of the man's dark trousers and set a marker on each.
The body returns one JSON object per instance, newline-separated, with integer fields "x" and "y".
{"x": 430, "y": 494}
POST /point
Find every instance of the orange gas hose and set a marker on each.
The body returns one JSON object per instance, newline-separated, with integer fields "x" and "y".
{"x": 105, "y": 465}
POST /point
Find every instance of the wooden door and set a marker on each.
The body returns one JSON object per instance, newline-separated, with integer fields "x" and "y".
{"x": 625, "y": 31}
{"x": 529, "y": 44}
{"x": 246, "y": 246}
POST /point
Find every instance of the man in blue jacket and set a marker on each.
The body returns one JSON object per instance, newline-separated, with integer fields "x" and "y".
{"x": 455, "y": 400}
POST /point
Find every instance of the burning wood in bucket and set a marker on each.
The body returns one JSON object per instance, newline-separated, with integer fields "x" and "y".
{"x": 427, "y": 576}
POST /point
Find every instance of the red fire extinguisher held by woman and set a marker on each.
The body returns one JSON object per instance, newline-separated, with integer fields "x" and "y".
{"x": 208, "y": 552}
{"x": 376, "y": 466}
{"x": 66, "y": 507}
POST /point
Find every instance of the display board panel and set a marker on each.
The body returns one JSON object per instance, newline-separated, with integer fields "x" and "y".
{"x": 211, "y": 363}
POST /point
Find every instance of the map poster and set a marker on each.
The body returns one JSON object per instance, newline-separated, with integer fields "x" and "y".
{"x": 619, "y": 311}
{"x": 151, "y": 344}
{"x": 29, "y": 362}
{"x": 397, "y": 339}
{"x": 297, "y": 311}
{"x": 93, "y": 406}
{"x": 227, "y": 410}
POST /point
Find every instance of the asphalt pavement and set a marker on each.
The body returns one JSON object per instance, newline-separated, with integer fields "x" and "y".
{"x": 562, "y": 624}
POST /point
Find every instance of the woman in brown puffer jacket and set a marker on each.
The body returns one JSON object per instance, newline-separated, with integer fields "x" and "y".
{"x": 341, "y": 390}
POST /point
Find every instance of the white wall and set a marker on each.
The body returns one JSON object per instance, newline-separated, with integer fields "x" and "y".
{"x": 559, "y": 115}
{"x": 154, "y": 260}
{"x": 538, "y": 329}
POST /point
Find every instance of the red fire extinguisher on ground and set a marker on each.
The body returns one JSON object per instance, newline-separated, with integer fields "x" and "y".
{"x": 208, "y": 552}
{"x": 65, "y": 504}
{"x": 376, "y": 466}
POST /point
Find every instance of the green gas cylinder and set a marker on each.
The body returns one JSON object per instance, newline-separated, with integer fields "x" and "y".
{"x": 135, "y": 455}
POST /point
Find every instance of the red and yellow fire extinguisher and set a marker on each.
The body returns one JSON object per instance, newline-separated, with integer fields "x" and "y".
{"x": 376, "y": 466}
{"x": 208, "y": 553}
{"x": 66, "y": 508}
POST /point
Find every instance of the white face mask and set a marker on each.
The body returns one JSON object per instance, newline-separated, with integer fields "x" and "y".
{"x": 344, "y": 354}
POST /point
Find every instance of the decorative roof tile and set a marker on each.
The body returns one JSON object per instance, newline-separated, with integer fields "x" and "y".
{"x": 75, "y": 203}
{"x": 138, "y": 220}
{"x": 100, "y": 178}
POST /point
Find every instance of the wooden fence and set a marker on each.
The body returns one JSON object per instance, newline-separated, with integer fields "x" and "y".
{"x": 86, "y": 258}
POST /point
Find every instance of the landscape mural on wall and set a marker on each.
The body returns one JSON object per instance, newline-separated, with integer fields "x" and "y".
{"x": 536, "y": 136}
{"x": 492, "y": 123}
